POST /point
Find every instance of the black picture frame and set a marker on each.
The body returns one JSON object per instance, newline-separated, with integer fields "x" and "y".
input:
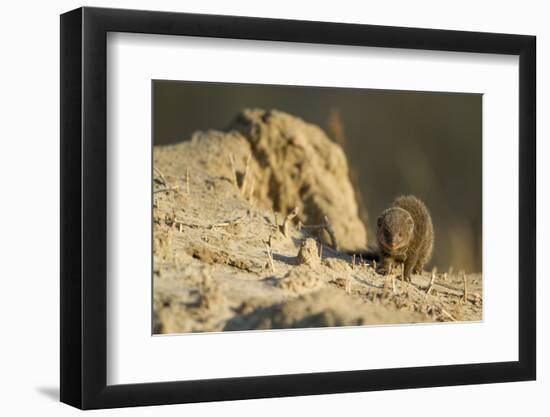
{"x": 84, "y": 207}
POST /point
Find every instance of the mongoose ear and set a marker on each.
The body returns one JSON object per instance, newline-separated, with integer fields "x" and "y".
{"x": 410, "y": 221}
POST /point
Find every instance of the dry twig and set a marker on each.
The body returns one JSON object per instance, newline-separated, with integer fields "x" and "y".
{"x": 179, "y": 223}
{"x": 287, "y": 220}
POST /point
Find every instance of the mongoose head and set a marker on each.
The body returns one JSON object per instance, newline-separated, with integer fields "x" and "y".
{"x": 395, "y": 229}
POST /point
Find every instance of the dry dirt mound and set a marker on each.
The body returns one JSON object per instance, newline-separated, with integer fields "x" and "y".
{"x": 325, "y": 308}
{"x": 280, "y": 162}
{"x": 298, "y": 165}
{"x": 221, "y": 260}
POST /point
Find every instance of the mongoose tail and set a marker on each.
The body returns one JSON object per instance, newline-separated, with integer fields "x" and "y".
{"x": 371, "y": 254}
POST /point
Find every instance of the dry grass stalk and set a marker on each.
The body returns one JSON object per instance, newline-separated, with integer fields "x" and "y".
{"x": 178, "y": 222}
{"x": 432, "y": 281}
{"x": 251, "y": 191}
{"x": 269, "y": 251}
{"x": 288, "y": 219}
{"x": 161, "y": 175}
{"x": 328, "y": 227}
{"x": 353, "y": 262}
{"x": 465, "y": 296}
{"x": 226, "y": 224}
{"x": 320, "y": 251}
{"x": 233, "y": 170}
{"x": 167, "y": 189}
{"x": 446, "y": 313}
{"x": 187, "y": 180}
{"x": 393, "y": 283}
{"x": 247, "y": 165}
{"x": 275, "y": 222}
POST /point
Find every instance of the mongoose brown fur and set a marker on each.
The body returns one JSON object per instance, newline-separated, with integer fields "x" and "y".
{"x": 405, "y": 235}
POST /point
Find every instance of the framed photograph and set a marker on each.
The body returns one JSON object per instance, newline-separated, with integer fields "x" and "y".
{"x": 259, "y": 208}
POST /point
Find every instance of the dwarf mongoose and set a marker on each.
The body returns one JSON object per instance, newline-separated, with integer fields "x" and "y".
{"x": 405, "y": 235}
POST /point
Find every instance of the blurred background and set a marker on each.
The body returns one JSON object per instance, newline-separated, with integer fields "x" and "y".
{"x": 397, "y": 142}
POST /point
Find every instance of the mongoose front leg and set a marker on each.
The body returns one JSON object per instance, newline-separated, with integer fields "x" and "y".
{"x": 387, "y": 265}
{"x": 408, "y": 265}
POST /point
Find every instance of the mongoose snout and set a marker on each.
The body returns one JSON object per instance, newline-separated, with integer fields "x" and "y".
{"x": 395, "y": 228}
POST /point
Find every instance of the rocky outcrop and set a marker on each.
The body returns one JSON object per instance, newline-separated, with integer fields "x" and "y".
{"x": 299, "y": 166}
{"x": 287, "y": 162}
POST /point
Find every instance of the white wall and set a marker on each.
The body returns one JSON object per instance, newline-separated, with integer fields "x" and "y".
{"x": 29, "y": 167}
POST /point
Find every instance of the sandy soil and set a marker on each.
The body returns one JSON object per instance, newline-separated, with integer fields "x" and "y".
{"x": 219, "y": 203}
